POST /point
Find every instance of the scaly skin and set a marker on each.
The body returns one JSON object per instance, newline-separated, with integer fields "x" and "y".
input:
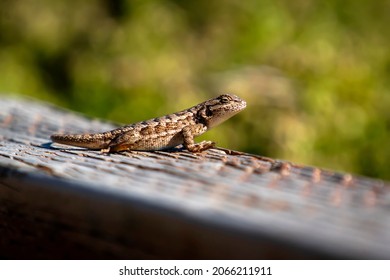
{"x": 164, "y": 132}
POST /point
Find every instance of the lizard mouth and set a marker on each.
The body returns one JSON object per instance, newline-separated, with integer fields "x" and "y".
{"x": 222, "y": 112}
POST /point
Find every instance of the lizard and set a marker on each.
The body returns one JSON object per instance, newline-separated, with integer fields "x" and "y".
{"x": 164, "y": 132}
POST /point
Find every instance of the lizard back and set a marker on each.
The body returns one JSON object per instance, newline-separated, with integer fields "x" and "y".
{"x": 163, "y": 132}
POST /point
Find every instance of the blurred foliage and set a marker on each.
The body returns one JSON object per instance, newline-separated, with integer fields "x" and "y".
{"x": 315, "y": 73}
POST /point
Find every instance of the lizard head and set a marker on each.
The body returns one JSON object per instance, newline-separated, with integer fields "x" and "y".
{"x": 221, "y": 108}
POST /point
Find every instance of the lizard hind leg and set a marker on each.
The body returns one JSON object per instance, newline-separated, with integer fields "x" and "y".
{"x": 123, "y": 142}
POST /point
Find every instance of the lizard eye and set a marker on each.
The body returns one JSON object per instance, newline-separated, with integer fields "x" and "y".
{"x": 224, "y": 99}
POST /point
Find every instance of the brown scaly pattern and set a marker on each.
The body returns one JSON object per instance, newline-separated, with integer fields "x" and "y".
{"x": 164, "y": 132}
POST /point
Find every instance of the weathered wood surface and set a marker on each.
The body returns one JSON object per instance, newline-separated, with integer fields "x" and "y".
{"x": 61, "y": 202}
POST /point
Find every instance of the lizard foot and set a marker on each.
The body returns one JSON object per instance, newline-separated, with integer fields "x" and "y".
{"x": 200, "y": 147}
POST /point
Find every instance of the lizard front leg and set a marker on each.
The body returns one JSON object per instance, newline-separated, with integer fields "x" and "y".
{"x": 188, "y": 140}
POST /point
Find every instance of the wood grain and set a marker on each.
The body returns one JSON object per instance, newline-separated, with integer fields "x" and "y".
{"x": 70, "y": 203}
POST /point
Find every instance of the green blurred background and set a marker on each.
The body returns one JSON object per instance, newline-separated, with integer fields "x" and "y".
{"x": 315, "y": 74}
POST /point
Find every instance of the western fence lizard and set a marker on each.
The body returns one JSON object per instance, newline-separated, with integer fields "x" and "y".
{"x": 164, "y": 132}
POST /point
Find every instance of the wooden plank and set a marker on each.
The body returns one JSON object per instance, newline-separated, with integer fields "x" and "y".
{"x": 61, "y": 202}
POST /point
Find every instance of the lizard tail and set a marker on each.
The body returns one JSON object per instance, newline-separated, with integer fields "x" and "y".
{"x": 90, "y": 141}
